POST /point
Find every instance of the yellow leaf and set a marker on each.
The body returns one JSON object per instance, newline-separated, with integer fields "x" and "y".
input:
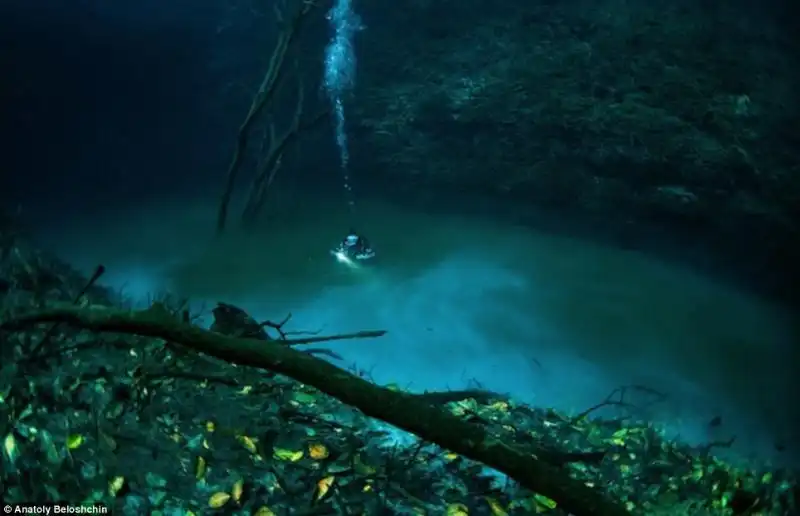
{"x": 283, "y": 454}
{"x": 318, "y": 451}
{"x": 200, "y": 468}
{"x": 248, "y": 442}
{"x": 115, "y": 484}
{"x": 219, "y": 499}
{"x": 237, "y": 490}
{"x": 457, "y": 509}
{"x": 324, "y": 485}
{"x": 210, "y": 426}
{"x": 496, "y": 508}
{"x": 264, "y": 511}
{"x": 502, "y": 406}
{"x": 450, "y": 456}
{"x": 459, "y": 408}
{"x": 10, "y": 448}
{"x": 74, "y": 441}
{"x": 544, "y": 501}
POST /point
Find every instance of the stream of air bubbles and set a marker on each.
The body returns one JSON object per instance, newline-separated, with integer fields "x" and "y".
{"x": 340, "y": 76}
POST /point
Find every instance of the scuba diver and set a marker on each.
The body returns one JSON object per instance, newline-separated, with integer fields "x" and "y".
{"x": 353, "y": 247}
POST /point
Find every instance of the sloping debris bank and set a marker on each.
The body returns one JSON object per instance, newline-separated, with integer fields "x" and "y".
{"x": 149, "y": 426}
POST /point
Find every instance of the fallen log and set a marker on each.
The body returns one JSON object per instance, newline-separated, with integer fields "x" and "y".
{"x": 540, "y": 471}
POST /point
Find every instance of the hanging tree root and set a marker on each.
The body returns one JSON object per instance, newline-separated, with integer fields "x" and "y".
{"x": 539, "y": 470}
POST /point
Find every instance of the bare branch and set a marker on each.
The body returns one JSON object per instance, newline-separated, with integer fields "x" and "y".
{"x": 266, "y": 92}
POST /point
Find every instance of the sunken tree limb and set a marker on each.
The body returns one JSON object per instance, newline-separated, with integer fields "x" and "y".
{"x": 263, "y": 100}
{"x": 540, "y": 472}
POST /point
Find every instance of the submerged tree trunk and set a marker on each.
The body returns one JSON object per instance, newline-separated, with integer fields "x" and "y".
{"x": 540, "y": 470}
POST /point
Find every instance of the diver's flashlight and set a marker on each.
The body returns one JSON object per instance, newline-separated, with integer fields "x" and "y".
{"x": 341, "y": 257}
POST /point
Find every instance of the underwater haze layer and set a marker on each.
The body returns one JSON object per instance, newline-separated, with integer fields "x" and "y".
{"x": 551, "y": 321}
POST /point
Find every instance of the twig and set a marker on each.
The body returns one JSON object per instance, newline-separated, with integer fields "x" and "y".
{"x": 610, "y": 402}
{"x": 345, "y": 336}
{"x": 706, "y": 448}
{"x": 303, "y": 332}
{"x": 98, "y": 271}
{"x": 277, "y": 326}
{"x": 323, "y": 352}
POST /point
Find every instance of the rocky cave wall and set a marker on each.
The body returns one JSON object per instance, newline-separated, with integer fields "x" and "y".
{"x": 668, "y": 110}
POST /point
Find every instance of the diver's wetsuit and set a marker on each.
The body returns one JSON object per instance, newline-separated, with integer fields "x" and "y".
{"x": 355, "y": 246}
